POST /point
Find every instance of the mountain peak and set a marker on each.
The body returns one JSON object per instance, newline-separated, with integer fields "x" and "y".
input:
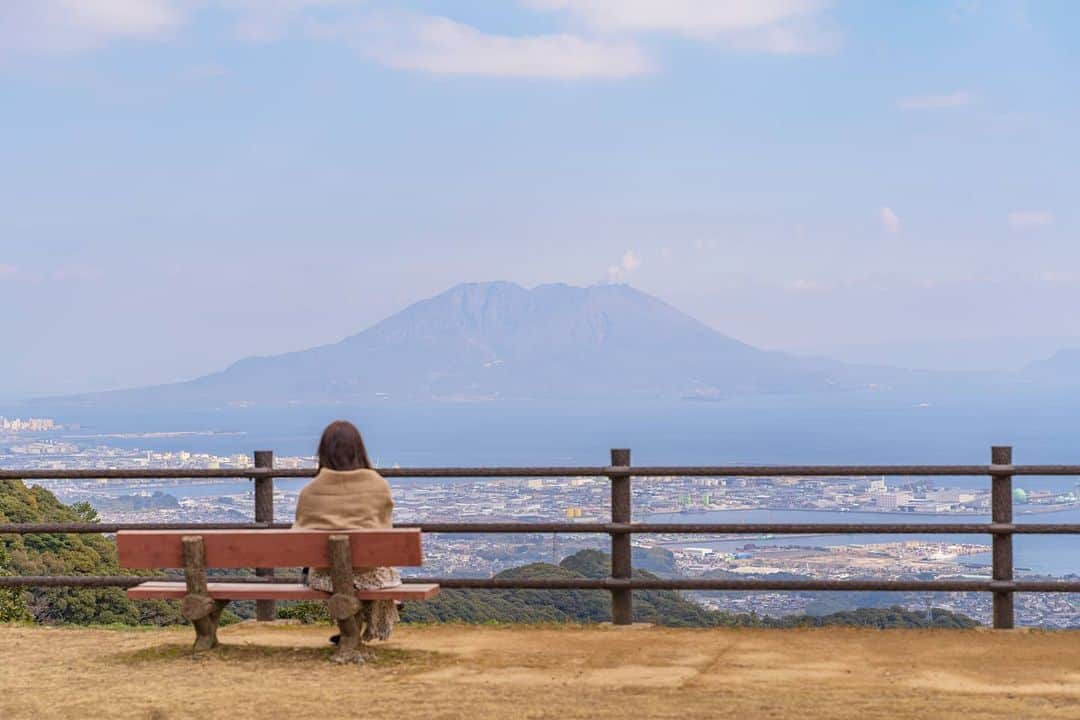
{"x": 498, "y": 340}
{"x": 487, "y": 286}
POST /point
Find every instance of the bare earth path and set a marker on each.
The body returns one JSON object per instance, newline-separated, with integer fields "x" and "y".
{"x": 485, "y": 672}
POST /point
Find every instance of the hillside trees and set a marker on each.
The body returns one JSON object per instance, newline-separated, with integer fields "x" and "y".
{"x": 12, "y": 605}
{"x": 68, "y": 554}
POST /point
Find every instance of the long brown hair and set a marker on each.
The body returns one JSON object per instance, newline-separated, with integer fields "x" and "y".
{"x": 342, "y": 448}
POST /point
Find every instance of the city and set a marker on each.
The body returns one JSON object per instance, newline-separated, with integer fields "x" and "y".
{"x": 17, "y": 425}
{"x": 587, "y": 499}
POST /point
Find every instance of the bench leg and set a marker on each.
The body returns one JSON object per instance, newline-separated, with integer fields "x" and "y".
{"x": 345, "y": 610}
{"x": 202, "y": 610}
{"x": 206, "y": 627}
{"x": 349, "y": 646}
{"x": 343, "y": 605}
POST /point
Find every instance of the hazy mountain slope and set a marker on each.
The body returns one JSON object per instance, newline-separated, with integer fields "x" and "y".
{"x": 487, "y": 341}
{"x": 1063, "y": 367}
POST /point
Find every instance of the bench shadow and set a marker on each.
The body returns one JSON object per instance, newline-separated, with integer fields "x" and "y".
{"x": 379, "y": 657}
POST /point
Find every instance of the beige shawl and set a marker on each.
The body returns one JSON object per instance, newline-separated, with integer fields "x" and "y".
{"x": 349, "y": 500}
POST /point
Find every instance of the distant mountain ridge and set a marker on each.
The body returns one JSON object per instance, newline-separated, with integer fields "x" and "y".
{"x": 498, "y": 341}
{"x": 1062, "y": 367}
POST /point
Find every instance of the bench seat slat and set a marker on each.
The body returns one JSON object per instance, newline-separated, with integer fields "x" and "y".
{"x": 151, "y": 549}
{"x": 163, "y": 590}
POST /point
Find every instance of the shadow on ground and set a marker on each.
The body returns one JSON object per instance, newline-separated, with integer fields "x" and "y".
{"x": 380, "y": 657}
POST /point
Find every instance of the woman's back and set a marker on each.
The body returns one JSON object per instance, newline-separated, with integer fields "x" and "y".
{"x": 346, "y": 494}
{"x": 345, "y": 500}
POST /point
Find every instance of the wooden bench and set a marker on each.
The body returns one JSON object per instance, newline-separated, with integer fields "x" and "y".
{"x": 203, "y": 601}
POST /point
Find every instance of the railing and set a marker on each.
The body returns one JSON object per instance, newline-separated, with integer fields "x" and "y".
{"x": 621, "y": 583}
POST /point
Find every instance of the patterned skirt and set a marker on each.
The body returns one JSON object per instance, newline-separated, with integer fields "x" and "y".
{"x": 376, "y": 616}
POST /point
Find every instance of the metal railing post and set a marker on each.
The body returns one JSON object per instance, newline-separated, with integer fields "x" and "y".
{"x": 265, "y": 610}
{"x": 622, "y": 602}
{"x": 1001, "y": 512}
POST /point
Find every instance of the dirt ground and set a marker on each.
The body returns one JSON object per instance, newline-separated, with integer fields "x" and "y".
{"x": 444, "y": 672}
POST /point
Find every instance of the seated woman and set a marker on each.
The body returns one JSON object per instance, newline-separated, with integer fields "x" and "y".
{"x": 347, "y": 494}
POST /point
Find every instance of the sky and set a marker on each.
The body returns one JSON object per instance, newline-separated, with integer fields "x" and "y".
{"x": 187, "y": 182}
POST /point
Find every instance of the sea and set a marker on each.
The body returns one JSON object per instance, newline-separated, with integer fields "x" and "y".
{"x": 958, "y": 427}
{"x": 1043, "y": 426}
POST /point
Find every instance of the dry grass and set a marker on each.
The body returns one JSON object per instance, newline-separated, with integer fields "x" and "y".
{"x": 485, "y": 672}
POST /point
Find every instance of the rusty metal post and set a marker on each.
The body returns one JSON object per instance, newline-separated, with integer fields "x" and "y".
{"x": 622, "y": 601}
{"x": 265, "y": 610}
{"x": 1001, "y": 509}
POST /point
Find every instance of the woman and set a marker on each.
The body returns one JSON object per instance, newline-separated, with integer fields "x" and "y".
{"x": 347, "y": 494}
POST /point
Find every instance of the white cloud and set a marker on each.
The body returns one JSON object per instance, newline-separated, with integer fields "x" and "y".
{"x": 61, "y": 26}
{"x": 444, "y": 47}
{"x": 1028, "y": 219}
{"x": 263, "y": 21}
{"x": 960, "y": 98}
{"x": 890, "y": 219}
{"x": 605, "y": 44}
{"x": 7, "y": 270}
{"x": 690, "y": 17}
{"x": 962, "y": 9}
{"x": 1060, "y": 278}
{"x": 666, "y": 254}
{"x": 805, "y": 286}
{"x": 77, "y": 272}
{"x": 790, "y": 39}
{"x": 629, "y": 263}
{"x": 205, "y": 71}
{"x": 773, "y": 26}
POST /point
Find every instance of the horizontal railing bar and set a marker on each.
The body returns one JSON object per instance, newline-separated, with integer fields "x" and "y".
{"x": 85, "y": 528}
{"x": 810, "y": 528}
{"x": 813, "y": 470}
{"x": 711, "y": 584}
{"x": 127, "y": 580}
{"x": 252, "y": 473}
{"x": 854, "y": 528}
{"x": 150, "y": 474}
{"x": 722, "y": 528}
{"x": 600, "y": 528}
{"x": 514, "y": 528}
{"x": 741, "y": 584}
{"x": 589, "y": 471}
{"x": 695, "y": 584}
{"x": 755, "y": 528}
{"x": 592, "y": 528}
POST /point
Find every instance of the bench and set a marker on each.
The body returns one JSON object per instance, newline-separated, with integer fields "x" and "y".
{"x": 204, "y": 601}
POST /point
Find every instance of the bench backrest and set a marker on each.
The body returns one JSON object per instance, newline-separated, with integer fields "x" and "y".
{"x": 268, "y": 548}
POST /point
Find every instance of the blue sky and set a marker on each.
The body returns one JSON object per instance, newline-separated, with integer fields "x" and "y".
{"x": 186, "y": 182}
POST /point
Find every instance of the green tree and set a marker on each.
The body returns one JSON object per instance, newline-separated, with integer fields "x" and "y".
{"x": 68, "y": 554}
{"x": 12, "y": 605}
